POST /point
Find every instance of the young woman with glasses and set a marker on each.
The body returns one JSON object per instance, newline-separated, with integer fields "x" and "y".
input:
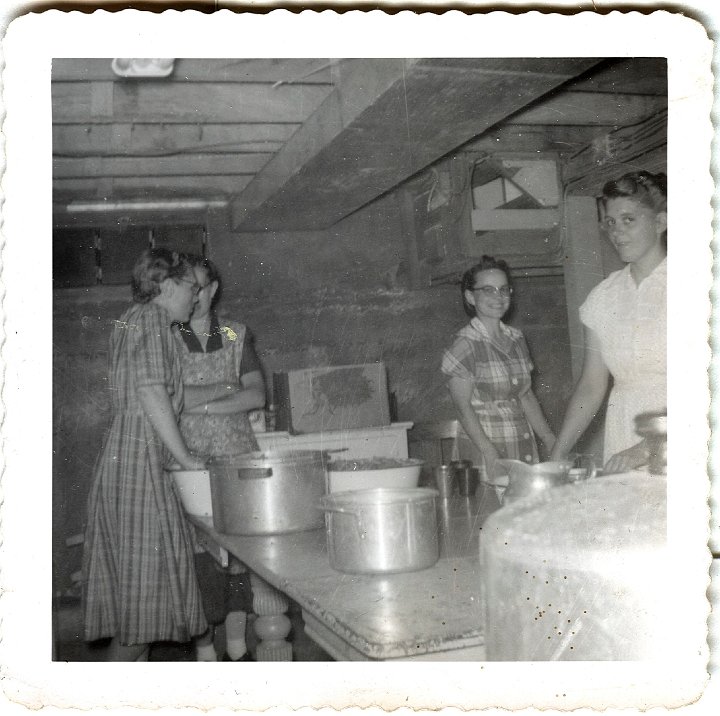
{"x": 488, "y": 371}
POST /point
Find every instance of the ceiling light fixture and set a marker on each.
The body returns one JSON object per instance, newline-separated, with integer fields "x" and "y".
{"x": 82, "y": 207}
{"x": 142, "y": 66}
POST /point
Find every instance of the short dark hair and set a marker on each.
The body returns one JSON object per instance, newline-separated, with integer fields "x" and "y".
{"x": 467, "y": 282}
{"x": 152, "y": 268}
{"x": 644, "y": 187}
{"x": 197, "y": 261}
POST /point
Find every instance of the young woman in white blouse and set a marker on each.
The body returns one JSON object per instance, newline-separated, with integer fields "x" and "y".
{"x": 625, "y": 321}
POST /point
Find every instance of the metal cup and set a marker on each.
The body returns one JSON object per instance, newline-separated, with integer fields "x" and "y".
{"x": 467, "y": 479}
{"x": 444, "y": 481}
{"x": 457, "y": 466}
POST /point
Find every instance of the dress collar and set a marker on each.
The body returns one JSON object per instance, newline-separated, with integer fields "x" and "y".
{"x": 480, "y": 327}
{"x": 214, "y": 342}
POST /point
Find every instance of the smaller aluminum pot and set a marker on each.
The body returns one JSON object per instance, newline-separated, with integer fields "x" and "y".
{"x": 381, "y": 531}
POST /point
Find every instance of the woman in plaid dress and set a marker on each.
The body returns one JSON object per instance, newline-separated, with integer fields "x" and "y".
{"x": 139, "y": 578}
{"x": 488, "y": 371}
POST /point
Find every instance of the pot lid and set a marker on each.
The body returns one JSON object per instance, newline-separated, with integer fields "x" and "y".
{"x": 262, "y": 458}
{"x": 379, "y": 496}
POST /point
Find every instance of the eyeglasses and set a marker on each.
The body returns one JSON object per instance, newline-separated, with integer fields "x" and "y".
{"x": 196, "y": 286}
{"x": 492, "y": 291}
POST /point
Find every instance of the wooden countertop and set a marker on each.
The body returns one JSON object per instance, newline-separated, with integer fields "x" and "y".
{"x": 397, "y": 616}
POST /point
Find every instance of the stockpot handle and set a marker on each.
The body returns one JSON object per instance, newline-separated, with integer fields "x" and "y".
{"x": 253, "y": 473}
{"x": 345, "y": 511}
{"x": 327, "y": 456}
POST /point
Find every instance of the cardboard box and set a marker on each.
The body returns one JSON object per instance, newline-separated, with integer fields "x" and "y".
{"x": 331, "y": 398}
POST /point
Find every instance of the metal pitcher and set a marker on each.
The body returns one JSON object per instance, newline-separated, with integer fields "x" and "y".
{"x": 525, "y": 479}
{"x": 653, "y": 427}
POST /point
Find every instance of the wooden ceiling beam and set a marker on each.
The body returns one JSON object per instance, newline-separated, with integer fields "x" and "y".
{"x": 285, "y": 70}
{"x": 630, "y": 75}
{"x": 125, "y": 139}
{"x": 408, "y": 117}
{"x": 591, "y": 184}
{"x": 590, "y": 109}
{"x": 360, "y": 83}
{"x": 188, "y": 165}
{"x": 191, "y": 103}
{"x": 534, "y": 138}
{"x": 551, "y": 67}
{"x": 217, "y": 185}
{"x": 643, "y": 146}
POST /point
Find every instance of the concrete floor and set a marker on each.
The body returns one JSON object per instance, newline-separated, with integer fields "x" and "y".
{"x": 70, "y": 646}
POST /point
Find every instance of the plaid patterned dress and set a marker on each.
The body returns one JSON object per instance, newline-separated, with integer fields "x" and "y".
{"x": 500, "y": 376}
{"x": 140, "y": 582}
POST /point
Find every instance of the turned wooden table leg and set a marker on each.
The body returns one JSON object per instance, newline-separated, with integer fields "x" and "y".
{"x": 271, "y": 625}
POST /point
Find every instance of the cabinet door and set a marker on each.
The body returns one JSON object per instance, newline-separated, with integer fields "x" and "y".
{"x": 119, "y": 250}
{"x": 516, "y": 209}
{"x": 472, "y": 204}
{"x": 435, "y": 212}
{"x": 74, "y": 258}
{"x": 86, "y": 256}
{"x": 185, "y": 239}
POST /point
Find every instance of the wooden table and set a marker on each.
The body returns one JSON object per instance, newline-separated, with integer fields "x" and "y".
{"x": 432, "y": 614}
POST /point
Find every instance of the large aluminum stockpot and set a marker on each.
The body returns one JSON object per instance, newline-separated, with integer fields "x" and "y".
{"x": 383, "y": 530}
{"x": 271, "y": 492}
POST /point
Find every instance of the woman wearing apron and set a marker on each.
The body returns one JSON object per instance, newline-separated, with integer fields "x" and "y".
{"x": 223, "y": 381}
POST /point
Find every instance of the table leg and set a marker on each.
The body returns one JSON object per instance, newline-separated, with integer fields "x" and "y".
{"x": 271, "y": 625}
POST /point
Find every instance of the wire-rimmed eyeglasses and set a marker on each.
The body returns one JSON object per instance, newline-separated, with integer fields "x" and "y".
{"x": 492, "y": 291}
{"x": 196, "y": 286}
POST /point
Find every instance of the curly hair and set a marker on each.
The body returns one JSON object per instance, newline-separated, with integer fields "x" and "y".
{"x": 467, "y": 282}
{"x": 644, "y": 187}
{"x": 197, "y": 261}
{"x": 152, "y": 268}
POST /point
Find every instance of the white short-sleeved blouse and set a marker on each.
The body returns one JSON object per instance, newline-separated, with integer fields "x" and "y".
{"x": 631, "y": 323}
